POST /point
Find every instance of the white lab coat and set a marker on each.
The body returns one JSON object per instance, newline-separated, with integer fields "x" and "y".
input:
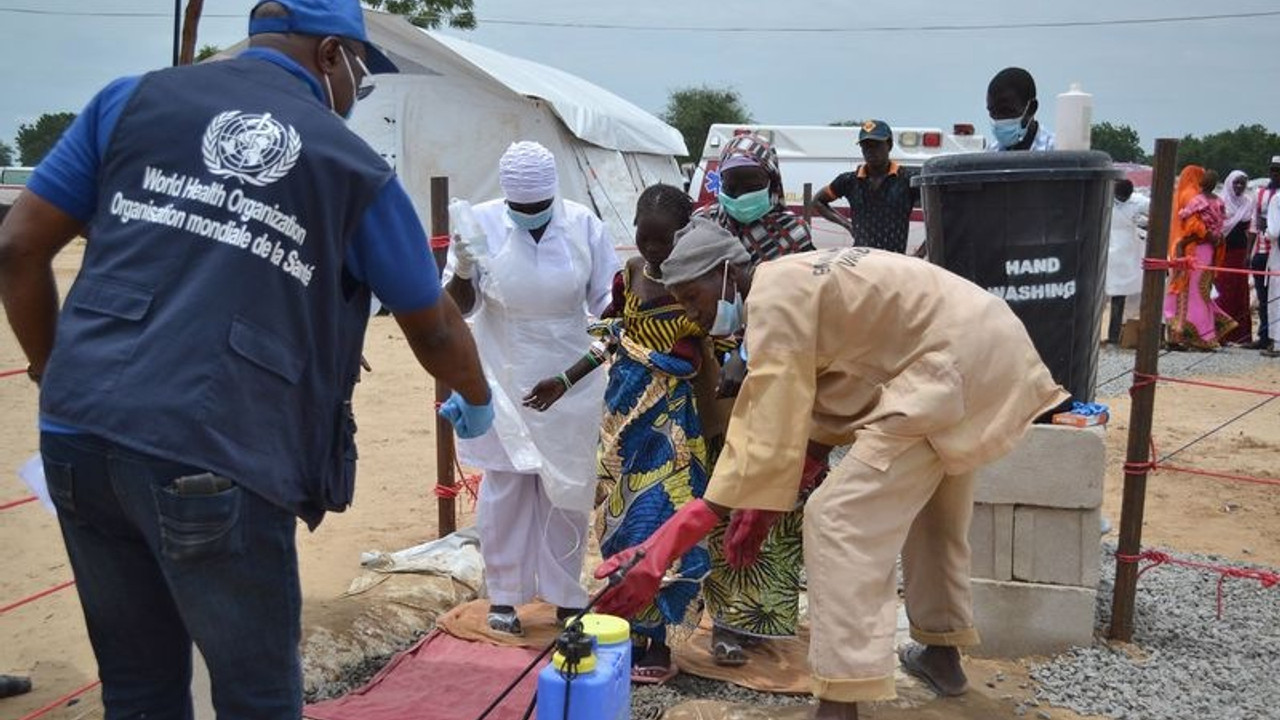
{"x": 1273, "y": 265}
{"x": 1128, "y": 246}
{"x": 534, "y": 302}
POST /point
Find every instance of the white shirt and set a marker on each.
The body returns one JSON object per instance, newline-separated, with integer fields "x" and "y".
{"x": 1273, "y": 217}
{"x": 1127, "y": 247}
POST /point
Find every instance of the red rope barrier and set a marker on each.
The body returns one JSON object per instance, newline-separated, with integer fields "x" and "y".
{"x": 1153, "y": 466}
{"x": 1217, "y": 475}
{"x": 60, "y": 701}
{"x": 37, "y": 596}
{"x": 10, "y": 373}
{"x": 1187, "y": 263}
{"x": 1155, "y": 559}
{"x": 19, "y": 501}
{"x": 1148, "y": 379}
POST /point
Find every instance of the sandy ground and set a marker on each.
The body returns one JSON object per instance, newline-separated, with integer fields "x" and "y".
{"x": 394, "y": 507}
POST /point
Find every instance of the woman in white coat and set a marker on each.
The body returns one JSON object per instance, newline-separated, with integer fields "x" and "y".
{"x": 530, "y": 269}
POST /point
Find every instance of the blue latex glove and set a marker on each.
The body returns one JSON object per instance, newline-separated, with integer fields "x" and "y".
{"x": 469, "y": 421}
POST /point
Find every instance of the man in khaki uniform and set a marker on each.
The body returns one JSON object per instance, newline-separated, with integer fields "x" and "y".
{"x": 927, "y": 375}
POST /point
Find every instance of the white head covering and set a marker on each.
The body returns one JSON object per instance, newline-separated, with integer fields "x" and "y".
{"x": 527, "y": 173}
{"x": 1239, "y": 207}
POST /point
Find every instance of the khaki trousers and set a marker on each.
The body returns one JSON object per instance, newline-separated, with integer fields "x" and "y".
{"x": 855, "y": 526}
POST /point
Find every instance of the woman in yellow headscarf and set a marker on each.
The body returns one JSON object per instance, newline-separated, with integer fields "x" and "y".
{"x": 1194, "y": 321}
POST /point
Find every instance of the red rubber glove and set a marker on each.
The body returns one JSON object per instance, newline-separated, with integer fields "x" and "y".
{"x": 748, "y": 529}
{"x": 746, "y": 534}
{"x": 815, "y": 471}
{"x": 677, "y": 536}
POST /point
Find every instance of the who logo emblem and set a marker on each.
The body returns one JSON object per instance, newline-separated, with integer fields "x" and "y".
{"x": 255, "y": 149}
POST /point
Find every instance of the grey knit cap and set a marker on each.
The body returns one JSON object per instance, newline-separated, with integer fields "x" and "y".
{"x": 701, "y": 246}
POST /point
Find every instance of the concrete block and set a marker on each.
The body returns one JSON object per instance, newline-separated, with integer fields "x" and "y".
{"x": 1056, "y": 546}
{"x": 991, "y": 538}
{"x": 1053, "y": 466}
{"x": 1021, "y": 619}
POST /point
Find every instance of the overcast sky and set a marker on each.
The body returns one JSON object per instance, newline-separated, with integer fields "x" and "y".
{"x": 1164, "y": 79}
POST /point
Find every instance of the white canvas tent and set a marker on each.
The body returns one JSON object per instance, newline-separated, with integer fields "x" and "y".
{"x": 455, "y": 106}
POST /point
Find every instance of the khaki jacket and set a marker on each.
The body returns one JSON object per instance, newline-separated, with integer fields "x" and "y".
{"x": 879, "y": 350}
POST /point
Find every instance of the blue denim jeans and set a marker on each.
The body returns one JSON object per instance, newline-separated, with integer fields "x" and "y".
{"x": 157, "y": 569}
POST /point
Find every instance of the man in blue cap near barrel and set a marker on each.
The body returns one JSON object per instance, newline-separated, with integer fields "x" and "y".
{"x": 195, "y": 391}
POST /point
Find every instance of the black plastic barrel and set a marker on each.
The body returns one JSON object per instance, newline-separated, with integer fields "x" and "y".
{"x": 1031, "y": 228}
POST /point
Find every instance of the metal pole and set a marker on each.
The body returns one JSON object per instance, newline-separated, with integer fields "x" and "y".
{"x": 808, "y": 199}
{"x": 446, "y": 508}
{"x": 1144, "y": 392}
{"x": 177, "y": 28}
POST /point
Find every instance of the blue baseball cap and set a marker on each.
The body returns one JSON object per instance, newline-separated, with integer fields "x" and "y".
{"x": 341, "y": 18}
{"x": 875, "y": 130}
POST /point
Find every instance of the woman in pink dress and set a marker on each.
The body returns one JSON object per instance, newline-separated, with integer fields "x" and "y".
{"x": 1193, "y": 320}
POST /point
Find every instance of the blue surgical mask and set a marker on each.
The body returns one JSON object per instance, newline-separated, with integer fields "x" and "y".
{"x": 528, "y": 221}
{"x": 728, "y": 314}
{"x": 1010, "y": 131}
{"x": 747, "y": 207}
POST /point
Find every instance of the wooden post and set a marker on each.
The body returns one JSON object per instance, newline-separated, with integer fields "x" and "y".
{"x": 190, "y": 29}
{"x": 808, "y": 200}
{"x": 1144, "y": 394}
{"x": 446, "y": 508}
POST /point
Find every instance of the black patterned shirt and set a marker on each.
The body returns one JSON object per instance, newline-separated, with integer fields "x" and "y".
{"x": 880, "y": 216}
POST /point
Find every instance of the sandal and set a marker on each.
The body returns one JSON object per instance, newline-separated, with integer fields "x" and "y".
{"x": 728, "y": 654}
{"x": 503, "y": 619}
{"x": 654, "y": 674}
{"x": 727, "y": 648}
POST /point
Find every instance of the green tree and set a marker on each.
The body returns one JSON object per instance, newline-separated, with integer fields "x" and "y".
{"x": 6, "y": 153}
{"x": 1121, "y": 142}
{"x": 206, "y": 52}
{"x": 37, "y": 139}
{"x": 693, "y": 110}
{"x": 1248, "y": 148}
{"x": 431, "y": 14}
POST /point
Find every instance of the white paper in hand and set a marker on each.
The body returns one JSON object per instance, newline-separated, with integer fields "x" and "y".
{"x": 32, "y": 474}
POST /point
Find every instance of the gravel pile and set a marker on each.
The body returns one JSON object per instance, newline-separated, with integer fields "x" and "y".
{"x": 1115, "y": 366}
{"x": 1185, "y": 662}
{"x": 648, "y": 702}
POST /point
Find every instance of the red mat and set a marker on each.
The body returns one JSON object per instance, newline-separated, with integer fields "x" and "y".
{"x": 440, "y": 678}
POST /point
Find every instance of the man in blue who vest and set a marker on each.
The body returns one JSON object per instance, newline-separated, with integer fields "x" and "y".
{"x": 195, "y": 389}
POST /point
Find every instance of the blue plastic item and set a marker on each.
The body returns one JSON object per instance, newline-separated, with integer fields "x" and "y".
{"x": 600, "y": 691}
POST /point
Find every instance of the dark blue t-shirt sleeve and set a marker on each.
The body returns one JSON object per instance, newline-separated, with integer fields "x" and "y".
{"x": 390, "y": 253}
{"x": 68, "y": 176}
{"x": 843, "y": 184}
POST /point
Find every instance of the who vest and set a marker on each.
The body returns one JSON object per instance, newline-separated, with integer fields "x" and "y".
{"x": 213, "y": 322}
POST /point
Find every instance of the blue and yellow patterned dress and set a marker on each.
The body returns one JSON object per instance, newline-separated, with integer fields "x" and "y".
{"x": 652, "y": 457}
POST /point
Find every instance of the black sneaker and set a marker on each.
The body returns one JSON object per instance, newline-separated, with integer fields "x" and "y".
{"x": 564, "y": 615}
{"x": 11, "y": 685}
{"x": 503, "y": 619}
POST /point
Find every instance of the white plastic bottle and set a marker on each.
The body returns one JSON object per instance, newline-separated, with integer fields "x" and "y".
{"x": 1074, "y": 126}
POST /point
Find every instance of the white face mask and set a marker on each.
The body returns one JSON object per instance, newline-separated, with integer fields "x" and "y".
{"x": 361, "y": 91}
{"x": 728, "y": 314}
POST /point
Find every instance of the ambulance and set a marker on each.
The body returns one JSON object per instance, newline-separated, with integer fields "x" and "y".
{"x": 816, "y": 154}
